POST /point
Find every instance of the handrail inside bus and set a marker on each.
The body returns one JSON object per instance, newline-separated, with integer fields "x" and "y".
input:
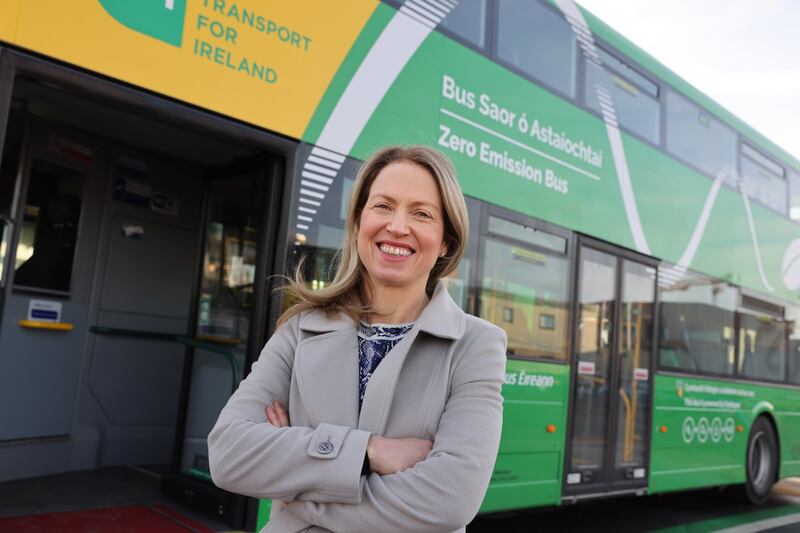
{"x": 181, "y": 339}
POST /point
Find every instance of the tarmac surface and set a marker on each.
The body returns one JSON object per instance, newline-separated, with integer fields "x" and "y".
{"x": 701, "y": 511}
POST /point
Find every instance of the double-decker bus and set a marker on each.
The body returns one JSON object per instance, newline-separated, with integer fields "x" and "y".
{"x": 162, "y": 159}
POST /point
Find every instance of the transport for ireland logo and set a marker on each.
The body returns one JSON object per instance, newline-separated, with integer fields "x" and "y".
{"x": 161, "y": 19}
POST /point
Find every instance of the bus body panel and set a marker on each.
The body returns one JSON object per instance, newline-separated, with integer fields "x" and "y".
{"x": 529, "y": 464}
{"x": 701, "y": 426}
{"x": 266, "y": 65}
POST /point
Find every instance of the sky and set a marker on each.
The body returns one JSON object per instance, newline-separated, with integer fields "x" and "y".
{"x": 745, "y": 54}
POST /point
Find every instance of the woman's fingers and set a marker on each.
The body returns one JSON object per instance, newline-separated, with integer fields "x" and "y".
{"x": 276, "y": 414}
{"x": 283, "y": 416}
{"x": 272, "y": 418}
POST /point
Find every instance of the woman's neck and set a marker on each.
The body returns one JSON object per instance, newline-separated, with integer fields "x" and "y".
{"x": 396, "y": 305}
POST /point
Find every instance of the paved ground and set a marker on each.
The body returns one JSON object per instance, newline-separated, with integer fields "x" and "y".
{"x": 115, "y": 486}
{"x": 687, "y": 512}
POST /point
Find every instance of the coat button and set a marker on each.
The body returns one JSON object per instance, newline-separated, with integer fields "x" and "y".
{"x": 325, "y": 447}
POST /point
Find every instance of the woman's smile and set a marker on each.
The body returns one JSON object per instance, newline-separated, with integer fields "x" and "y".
{"x": 395, "y": 251}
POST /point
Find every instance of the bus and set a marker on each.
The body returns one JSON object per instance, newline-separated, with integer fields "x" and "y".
{"x": 162, "y": 160}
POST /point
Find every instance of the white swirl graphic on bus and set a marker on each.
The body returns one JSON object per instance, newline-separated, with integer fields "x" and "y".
{"x": 703, "y": 430}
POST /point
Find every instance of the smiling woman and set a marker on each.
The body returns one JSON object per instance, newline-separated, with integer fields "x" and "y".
{"x": 376, "y": 404}
{"x": 400, "y": 233}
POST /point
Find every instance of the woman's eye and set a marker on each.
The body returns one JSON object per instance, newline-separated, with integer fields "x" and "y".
{"x": 423, "y": 214}
{"x": 381, "y": 206}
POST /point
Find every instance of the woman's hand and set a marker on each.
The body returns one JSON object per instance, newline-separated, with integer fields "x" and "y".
{"x": 277, "y": 415}
{"x": 389, "y": 456}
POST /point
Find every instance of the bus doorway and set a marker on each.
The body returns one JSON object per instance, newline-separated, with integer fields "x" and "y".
{"x": 134, "y": 292}
{"x": 609, "y": 439}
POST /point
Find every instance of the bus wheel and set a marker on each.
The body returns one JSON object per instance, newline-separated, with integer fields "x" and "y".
{"x": 761, "y": 462}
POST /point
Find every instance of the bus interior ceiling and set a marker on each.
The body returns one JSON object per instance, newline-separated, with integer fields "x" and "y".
{"x": 123, "y": 193}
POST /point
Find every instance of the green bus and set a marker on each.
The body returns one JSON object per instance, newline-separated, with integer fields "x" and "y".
{"x": 638, "y": 243}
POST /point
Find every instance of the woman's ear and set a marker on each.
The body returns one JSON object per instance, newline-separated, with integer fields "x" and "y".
{"x": 443, "y": 253}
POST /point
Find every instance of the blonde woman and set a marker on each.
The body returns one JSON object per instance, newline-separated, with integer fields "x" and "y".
{"x": 383, "y": 406}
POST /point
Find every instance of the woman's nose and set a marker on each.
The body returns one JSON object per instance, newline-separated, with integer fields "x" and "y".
{"x": 398, "y": 223}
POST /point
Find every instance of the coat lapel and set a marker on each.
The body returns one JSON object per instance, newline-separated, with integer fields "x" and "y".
{"x": 441, "y": 318}
{"x": 326, "y": 367}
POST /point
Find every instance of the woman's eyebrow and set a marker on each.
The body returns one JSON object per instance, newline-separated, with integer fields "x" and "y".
{"x": 417, "y": 203}
{"x": 424, "y": 204}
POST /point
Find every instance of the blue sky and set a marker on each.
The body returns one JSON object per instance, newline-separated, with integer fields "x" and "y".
{"x": 745, "y": 54}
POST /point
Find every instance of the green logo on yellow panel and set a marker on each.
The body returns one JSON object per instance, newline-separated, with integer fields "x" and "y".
{"x": 161, "y": 19}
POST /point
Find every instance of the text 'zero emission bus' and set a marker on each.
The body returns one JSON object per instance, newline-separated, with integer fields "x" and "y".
{"x": 162, "y": 159}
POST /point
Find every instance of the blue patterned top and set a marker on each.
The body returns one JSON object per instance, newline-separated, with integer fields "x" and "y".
{"x": 374, "y": 342}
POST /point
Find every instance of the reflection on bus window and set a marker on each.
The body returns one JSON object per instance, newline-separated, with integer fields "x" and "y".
{"x": 763, "y": 179}
{"x": 468, "y": 21}
{"x": 696, "y": 137}
{"x": 635, "y": 97}
{"x": 8, "y": 174}
{"x": 49, "y": 230}
{"x": 537, "y": 41}
{"x": 794, "y": 195}
{"x": 229, "y": 260}
{"x": 635, "y": 348}
{"x": 697, "y": 324}
{"x": 793, "y": 352}
{"x": 525, "y": 293}
{"x": 762, "y": 347}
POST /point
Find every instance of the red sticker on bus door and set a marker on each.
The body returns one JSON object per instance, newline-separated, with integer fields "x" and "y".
{"x": 586, "y": 367}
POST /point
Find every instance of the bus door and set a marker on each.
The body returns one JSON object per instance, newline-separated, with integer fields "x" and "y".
{"x": 608, "y": 442}
{"x": 50, "y": 234}
{"x": 228, "y": 322}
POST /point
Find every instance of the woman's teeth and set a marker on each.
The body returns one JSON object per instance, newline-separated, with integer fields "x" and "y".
{"x": 392, "y": 250}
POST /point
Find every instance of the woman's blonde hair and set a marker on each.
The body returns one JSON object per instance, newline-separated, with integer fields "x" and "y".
{"x": 347, "y": 293}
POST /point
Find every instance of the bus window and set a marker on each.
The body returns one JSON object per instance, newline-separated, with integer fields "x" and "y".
{"x": 525, "y": 293}
{"x": 229, "y": 259}
{"x": 793, "y": 352}
{"x": 458, "y": 282}
{"x": 762, "y": 347}
{"x": 49, "y": 230}
{"x": 697, "y": 324}
{"x": 763, "y": 179}
{"x": 500, "y": 226}
{"x": 319, "y": 208}
{"x": 8, "y": 173}
{"x": 794, "y": 195}
{"x": 699, "y": 139}
{"x": 468, "y": 21}
{"x": 536, "y": 40}
{"x": 635, "y": 344}
{"x": 635, "y": 97}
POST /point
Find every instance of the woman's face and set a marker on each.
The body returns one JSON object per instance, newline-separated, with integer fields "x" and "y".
{"x": 401, "y": 229}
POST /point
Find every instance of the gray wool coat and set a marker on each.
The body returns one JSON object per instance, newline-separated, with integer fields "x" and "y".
{"x": 441, "y": 382}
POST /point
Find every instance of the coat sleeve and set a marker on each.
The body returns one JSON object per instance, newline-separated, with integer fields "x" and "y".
{"x": 444, "y": 491}
{"x": 250, "y": 456}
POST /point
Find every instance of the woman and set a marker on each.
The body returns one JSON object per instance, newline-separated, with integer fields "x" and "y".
{"x": 366, "y": 431}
